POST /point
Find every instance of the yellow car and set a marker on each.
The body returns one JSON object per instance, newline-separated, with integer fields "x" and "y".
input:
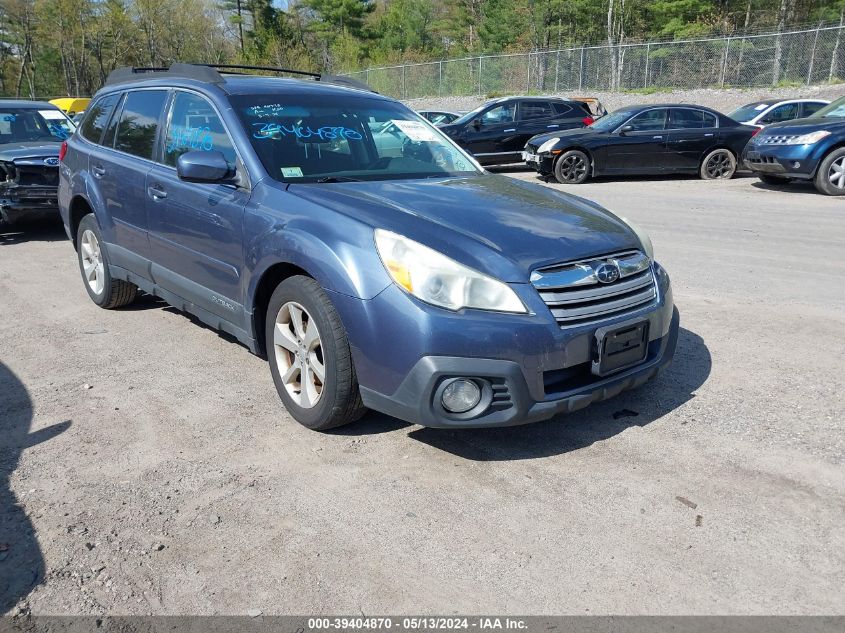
{"x": 71, "y": 105}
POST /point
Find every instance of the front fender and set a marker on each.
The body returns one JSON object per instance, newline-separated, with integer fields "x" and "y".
{"x": 342, "y": 258}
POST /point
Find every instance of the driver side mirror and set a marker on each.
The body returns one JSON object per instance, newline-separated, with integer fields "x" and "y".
{"x": 201, "y": 166}
{"x": 625, "y": 129}
{"x": 477, "y": 123}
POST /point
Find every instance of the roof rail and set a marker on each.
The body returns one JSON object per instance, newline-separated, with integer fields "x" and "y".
{"x": 199, "y": 72}
{"x": 210, "y": 73}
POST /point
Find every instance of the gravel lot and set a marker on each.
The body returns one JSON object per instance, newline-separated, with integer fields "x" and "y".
{"x": 147, "y": 466}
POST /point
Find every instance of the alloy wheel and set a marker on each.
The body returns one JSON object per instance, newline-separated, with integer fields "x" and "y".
{"x": 719, "y": 165}
{"x": 836, "y": 173}
{"x": 573, "y": 168}
{"x": 92, "y": 262}
{"x": 299, "y": 354}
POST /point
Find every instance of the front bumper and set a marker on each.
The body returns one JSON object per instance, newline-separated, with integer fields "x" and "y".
{"x": 788, "y": 161}
{"x": 14, "y": 210}
{"x": 404, "y": 351}
{"x": 541, "y": 163}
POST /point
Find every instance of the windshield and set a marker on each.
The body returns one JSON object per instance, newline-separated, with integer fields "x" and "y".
{"x": 749, "y": 111}
{"x": 314, "y": 139}
{"x": 470, "y": 115}
{"x": 60, "y": 125}
{"x": 834, "y": 110}
{"x": 611, "y": 121}
{"x": 22, "y": 125}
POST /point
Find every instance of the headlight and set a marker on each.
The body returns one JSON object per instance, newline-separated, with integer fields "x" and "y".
{"x": 441, "y": 281}
{"x": 645, "y": 240}
{"x": 548, "y": 146}
{"x": 808, "y": 139}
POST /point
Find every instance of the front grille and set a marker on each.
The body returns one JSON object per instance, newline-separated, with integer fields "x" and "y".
{"x": 769, "y": 160}
{"x": 31, "y": 175}
{"x": 575, "y": 295}
{"x": 775, "y": 139}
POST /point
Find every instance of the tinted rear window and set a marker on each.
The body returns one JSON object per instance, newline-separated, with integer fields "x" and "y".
{"x": 98, "y": 115}
{"x": 136, "y": 131}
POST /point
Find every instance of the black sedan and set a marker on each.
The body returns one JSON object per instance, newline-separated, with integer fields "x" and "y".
{"x": 645, "y": 140}
{"x": 496, "y": 132}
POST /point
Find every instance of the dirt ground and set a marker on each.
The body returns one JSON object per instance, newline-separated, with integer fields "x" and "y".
{"x": 148, "y": 467}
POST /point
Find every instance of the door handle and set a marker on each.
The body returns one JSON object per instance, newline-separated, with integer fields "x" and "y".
{"x": 513, "y": 129}
{"x": 553, "y": 125}
{"x": 708, "y": 135}
{"x": 156, "y": 192}
{"x": 657, "y": 137}
{"x": 98, "y": 171}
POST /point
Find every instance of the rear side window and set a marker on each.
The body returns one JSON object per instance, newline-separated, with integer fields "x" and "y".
{"x": 785, "y": 112}
{"x": 685, "y": 118}
{"x": 195, "y": 126}
{"x": 535, "y": 110}
{"x": 97, "y": 117}
{"x": 136, "y": 130}
{"x": 562, "y": 109}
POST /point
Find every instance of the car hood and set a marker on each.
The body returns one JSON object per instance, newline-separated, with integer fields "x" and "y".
{"x": 805, "y": 126}
{"x": 574, "y": 133}
{"x": 493, "y": 223}
{"x": 42, "y": 149}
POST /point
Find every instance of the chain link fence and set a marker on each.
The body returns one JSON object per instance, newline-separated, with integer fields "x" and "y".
{"x": 797, "y": 57}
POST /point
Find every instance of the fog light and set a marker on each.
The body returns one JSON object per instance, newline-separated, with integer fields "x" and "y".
{"x": 460, "y": 395}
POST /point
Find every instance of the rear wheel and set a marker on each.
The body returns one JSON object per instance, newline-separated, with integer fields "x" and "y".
{"x": 830, "y": 177}
{"x": 309, "y": 356}
{"x": 772, "y": 180}
{"x": 103, "y": 289}
{"x": 720, "y": 164}
{"x": 572, "y": 167}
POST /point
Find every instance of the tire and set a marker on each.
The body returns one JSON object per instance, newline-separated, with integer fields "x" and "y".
{"x": 773, "y": 180}
{"x": 830, "y": 177}
{"x": 93, "y": 257}
{"x": 317, "y": 404}
{"x": 720, "y": 164}
{"x": 572, "y": 167}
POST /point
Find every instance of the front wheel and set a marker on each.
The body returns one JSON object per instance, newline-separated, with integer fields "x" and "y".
{"x": 309, "y": 356}
{"x": 572, "y": 167}
{"x": 720, "y": 164}
{"x": 830, "y": 177}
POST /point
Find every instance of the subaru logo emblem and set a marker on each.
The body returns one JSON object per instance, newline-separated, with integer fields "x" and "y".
{"x": 607, "y": 273}
{"x": 52, "y": 162}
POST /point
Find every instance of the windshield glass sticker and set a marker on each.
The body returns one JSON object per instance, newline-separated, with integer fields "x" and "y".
{"x": 8, "y": 117}
{"x": 415, "y": 130}
{"x": 291, "y": 172}
{"x": 762, "y": 106}
{"x": 325, "y": 133}
{"x": 193, "y": 138}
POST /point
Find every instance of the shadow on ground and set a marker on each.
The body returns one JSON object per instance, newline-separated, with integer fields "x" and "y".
{"x": 794, "y": 186}
{"x": 675, "y": 386}
{"x": 43, "y": 231}
{"x": 21, "y": 560}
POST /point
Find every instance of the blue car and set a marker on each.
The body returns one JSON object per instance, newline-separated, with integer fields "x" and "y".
{"x": 396, "y": 276}
{"x": 803, "y": 149}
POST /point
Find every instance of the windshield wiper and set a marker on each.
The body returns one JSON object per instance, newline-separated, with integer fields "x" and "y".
{"x": 337, "y": 179}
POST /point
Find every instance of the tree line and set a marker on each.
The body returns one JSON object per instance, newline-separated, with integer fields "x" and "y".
{"x": 67, "y": 47}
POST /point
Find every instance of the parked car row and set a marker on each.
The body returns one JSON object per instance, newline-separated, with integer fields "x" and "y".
{"x": 778, "y": 140}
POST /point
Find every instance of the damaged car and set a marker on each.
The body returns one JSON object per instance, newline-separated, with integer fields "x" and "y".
{"x": 31, "y": 137}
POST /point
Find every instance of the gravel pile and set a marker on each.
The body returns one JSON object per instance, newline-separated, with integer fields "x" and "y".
{"x": 723, "y": 100}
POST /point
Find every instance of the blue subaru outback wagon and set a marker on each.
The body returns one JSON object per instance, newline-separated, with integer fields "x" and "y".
{"x": 370, "y": 258}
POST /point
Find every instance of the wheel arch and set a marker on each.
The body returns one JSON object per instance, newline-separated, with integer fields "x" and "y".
{"x": 825, "y": 153}
{"x": 267, "y": 283}
{"x": 78, "y": 208}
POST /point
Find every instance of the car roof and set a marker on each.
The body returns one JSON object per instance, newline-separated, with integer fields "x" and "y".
{"x": 650, "y": 106}
{"x": 771, "y": 102}
{"x": 203, "y": 76}
{"x": 23, "y": 104}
